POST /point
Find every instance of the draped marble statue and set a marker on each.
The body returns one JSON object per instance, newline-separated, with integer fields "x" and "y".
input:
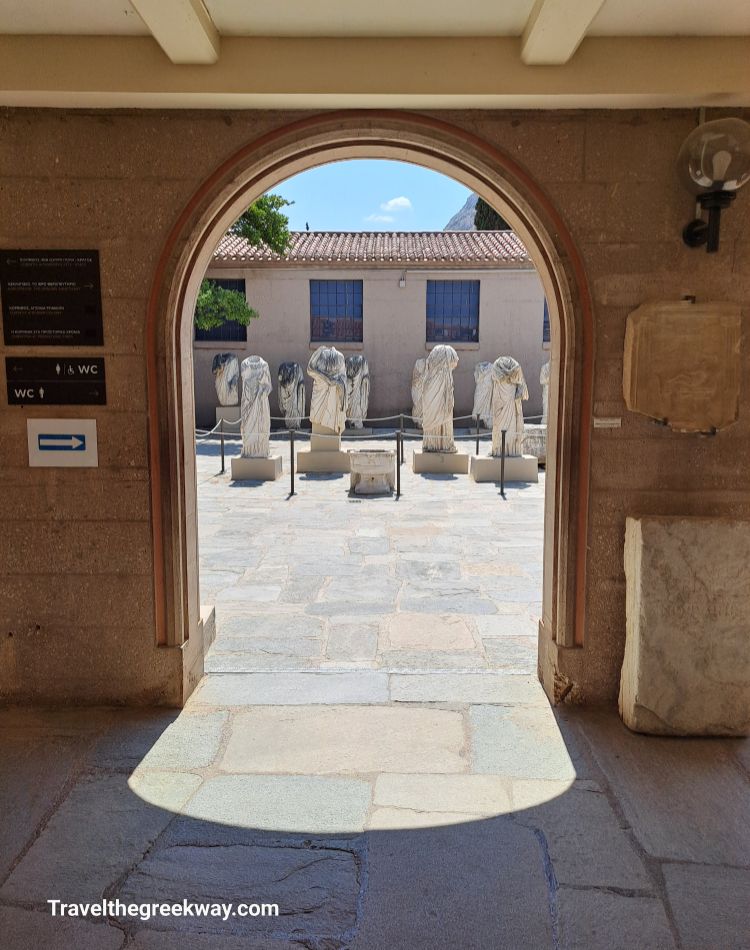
{"x": 226, "y": 370}
{"x": 292, "y": 394}
{"x": 483, "y": 392}
{"x": 508, "y": 390}
{"x": 544, "y": 380}
{"x": 417, "y": 384}
{"x": 327, "y": 369}
{"x": 437, "y": 400}
{"x": 357, "y": 390}
{"x": 255, "y": 424}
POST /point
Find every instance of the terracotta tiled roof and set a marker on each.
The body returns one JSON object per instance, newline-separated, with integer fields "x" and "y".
{"x": 382, "y": 247}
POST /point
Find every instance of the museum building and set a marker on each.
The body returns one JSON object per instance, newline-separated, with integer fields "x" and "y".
{"x": 391, "y": 296}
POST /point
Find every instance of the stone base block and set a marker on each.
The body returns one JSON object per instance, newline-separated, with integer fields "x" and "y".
{"x": 440, "y": 463}
{"x": 355, "y": 433}
{"x": 535, "y": 441}
{"x": 260, "y": 470}
{"x": 324, "y": 439}
{"x": 518, "y": 468}
{"x": 312, "y": 460}
{"x": 686, "y": 669}
{"x": 229, "y": 414}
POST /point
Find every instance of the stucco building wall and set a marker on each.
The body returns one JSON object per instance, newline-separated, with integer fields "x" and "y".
{"x": 76, "y": 562}
{"x": 511, "y": 305}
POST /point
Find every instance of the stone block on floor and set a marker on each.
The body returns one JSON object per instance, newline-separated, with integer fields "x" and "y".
{"x": 440, "y": 463}
{"x": 686, "y": 669}
{"x": 518, "y": 468}
{"x": 257, "y": 469}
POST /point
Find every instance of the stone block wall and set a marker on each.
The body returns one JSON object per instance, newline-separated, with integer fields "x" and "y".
{"x": 76, "y": 564}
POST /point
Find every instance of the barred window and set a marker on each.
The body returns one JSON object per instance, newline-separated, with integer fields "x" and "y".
{"x": 336, "y": 311}
{"x": 452, "y": 311}
{"x": 230, "y": 331}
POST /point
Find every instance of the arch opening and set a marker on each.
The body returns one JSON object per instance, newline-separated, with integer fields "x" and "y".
{"x": 256, "y": 169}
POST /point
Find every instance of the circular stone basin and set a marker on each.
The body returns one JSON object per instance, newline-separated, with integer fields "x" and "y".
{"x": 373, "y": 471}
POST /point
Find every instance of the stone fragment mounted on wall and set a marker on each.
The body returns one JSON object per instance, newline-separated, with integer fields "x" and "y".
{"x": 686, "y": 669}
{"x": 682, "y": 364}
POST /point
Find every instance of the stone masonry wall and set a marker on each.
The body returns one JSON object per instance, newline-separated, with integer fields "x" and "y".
{"x": 76, "y": 571}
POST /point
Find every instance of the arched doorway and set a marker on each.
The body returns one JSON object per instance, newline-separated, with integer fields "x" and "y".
{"x": 222, "y": 197}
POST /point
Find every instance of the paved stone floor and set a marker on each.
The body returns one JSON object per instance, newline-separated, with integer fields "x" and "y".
{"x": 384, "y": 802}
{"x": 447, "y": 577}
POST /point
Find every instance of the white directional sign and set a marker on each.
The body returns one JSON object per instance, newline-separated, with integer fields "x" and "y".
{"x": 62, "y": 443}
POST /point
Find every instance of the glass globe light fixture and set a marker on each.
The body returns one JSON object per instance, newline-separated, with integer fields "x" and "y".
{"x": 713, "y": 163}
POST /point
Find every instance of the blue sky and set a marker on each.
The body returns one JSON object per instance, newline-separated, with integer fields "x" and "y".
{"x": 371, "y": 195}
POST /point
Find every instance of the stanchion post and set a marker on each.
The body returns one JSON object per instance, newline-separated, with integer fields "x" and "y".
{"x": 502, "y": 464}
{"x": 291, "y": 462}
{"x": 399, "y": 450}
{"x": 221, "y": 431}
{"x": 477, "y": 421}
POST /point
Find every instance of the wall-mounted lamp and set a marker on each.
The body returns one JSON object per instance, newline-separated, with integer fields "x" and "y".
{"x": 402, "y": 280}
{"x": 714, "y": 162}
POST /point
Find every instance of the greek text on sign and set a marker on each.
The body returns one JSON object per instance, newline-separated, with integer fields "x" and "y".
{"x": 51, "y": 298}
{"x": 62, "y": 443}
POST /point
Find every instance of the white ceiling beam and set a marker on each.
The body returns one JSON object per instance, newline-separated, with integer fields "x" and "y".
{"x": 555, "y": 29}
{"x": 183, "y": 28}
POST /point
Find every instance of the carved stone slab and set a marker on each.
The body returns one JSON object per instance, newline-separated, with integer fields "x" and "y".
{"x": 686, "y": 669}
{"x": 682, "y": 364}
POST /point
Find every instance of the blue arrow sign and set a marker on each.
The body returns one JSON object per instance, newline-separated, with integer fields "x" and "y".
{"x": 61, "y": 443}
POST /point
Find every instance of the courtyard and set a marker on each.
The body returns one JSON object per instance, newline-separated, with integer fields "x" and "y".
{"x": 447, "y": 577}
{"x": 370, "y": 750}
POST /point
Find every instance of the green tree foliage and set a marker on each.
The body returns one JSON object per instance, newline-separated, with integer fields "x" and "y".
{"x": 487, "y": 219}
{"x": 262, "y": 223}
{"x": 216, "y": 306}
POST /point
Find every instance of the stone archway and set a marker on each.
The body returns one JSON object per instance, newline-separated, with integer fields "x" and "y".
{"x": 219, "y": 200}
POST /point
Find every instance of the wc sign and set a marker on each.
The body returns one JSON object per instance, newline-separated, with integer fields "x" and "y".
{"x": 47, "y": 381}
{"x": 62, "y": 443}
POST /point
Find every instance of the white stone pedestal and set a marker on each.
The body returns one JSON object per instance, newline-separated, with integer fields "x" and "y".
{"x": 518, "y": 468}
{"x": 686, "y": 669}
{"x": 373, "y": 471}
{"x": 535, "y": 441}
{"x": 324, "y": 454}
{"x": 440, "y": 463}
{"x": 259, "y": 470}
{"x": 229, "y": 414}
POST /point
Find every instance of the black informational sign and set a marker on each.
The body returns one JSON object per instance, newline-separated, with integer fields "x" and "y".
{"x": 46, "y": 381}
{"x": 51, "y": 298}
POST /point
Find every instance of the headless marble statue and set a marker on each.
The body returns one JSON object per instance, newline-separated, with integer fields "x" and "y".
{"x": 226, "y": 370}
{"x": 544, "y": 380}
{"x": 437, "y": 400}
{"x": 357, "y": 390}
{"x": 417, "y": 385}
{"x": 328, "y": 403}
{"x": 254, "y": 408}
{"x": 292, "y": 394}
{"x": 508, "y": 389}
{"x": 483, "y": 392}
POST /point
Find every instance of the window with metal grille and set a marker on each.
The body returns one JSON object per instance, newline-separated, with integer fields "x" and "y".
{"x": 336, "y": 311}
{"x": 545, "y": 323}
{"x": 230, "y": 331}
{"x": 452, "y": 311}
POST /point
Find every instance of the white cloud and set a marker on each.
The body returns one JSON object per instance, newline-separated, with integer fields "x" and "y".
{"x": 380, "y": 218}
{"x": 401, "y": 203}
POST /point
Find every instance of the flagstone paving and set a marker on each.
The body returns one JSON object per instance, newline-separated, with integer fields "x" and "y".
{"x": 447, "y": 576}
{"x": 387, "y": 795}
